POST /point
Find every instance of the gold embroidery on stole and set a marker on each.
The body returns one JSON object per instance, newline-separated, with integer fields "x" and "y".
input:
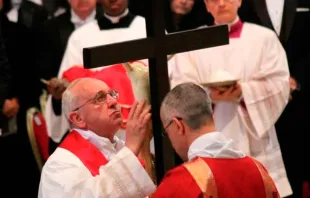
{"x": 270, "y": 188}
{"x": 203, "y": 176}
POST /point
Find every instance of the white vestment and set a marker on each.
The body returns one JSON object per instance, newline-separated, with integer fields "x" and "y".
{"x": 214, "y": 145}
{"x": 259, "y": 61}
{"x": 89, "y": 35}
{"x": 64, "y": 175}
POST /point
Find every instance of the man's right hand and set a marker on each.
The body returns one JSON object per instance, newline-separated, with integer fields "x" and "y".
{"x": 293, "y": 87}
{"x": 226, "y": 93}
{"x": 56, "y": 87}
{"x": 137, "y": 125}
{"x": 10, "y": 107}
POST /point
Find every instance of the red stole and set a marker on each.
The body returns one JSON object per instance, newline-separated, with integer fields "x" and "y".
{"x": 89, "y": 155}
{"x": 218, "y": 178}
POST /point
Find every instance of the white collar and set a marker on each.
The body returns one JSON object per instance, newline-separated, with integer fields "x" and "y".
{"x": 38, "y": 2}
{"x": 78, "y": 22}
{"x": 115, "y": 19}
{"x": 102, "y": 143}
{"x": 213, "y": 145}
{"x": 16, "y": 3}
{"x": 232, "y": 23}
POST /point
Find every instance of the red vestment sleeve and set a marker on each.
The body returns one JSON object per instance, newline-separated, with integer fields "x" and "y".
{"x": 218, "y": 178}
{"x": 76, "y": 72}
{"x": 178, "y": 183}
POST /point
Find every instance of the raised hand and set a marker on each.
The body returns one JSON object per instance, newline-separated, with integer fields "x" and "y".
{"x": 56, "y": 87}
{"x": 11, "y": 107}
{"x": 137, "y": 125}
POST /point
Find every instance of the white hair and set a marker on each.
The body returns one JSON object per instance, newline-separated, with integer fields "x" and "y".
{"x": 189, "y": 102}
{"x": 71, "y": 99}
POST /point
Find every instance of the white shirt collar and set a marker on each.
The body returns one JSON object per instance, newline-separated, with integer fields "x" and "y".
{"x": 38, "y": 2}
{"x": 230, "y": 24}
{"x": 13, "y": 13}
{"x": 16, "y": 3}
{"x": 213, "y": 145}
{"x": 108, "y": 148}
{"x": 78, "y": 22}
{"x": 115, "y": 19}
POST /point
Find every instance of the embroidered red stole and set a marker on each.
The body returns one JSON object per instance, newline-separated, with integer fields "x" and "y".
{"x": 220, "y": 178}
{"x": 90, "y": 156}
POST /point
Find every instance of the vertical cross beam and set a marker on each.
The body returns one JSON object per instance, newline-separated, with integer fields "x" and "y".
{"x": 156, "y": 47}
{"x": 159, "y": 84}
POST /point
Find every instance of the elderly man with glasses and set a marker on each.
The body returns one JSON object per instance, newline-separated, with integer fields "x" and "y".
{"x": 214, "y": 167}
{"x": 91, "y": 161}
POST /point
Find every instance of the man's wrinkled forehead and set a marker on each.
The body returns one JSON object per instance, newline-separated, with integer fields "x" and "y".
{"x": 91, "y": 86}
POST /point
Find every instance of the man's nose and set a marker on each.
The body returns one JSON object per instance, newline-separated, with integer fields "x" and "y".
{"x": 183, "y": 1}
{"x": 111, "y": 101}
{"x": 221, "y": 2}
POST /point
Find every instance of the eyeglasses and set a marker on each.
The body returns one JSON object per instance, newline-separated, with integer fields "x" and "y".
{"x": 100, "y": 98}
{"x": 164, "y": 134}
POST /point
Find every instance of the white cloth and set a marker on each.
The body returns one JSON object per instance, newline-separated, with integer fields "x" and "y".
{"x": 214, "y": 145}
{"x": 78, "y": 22}
{"x": 275, "y": 9}
{"x": 38, "y": 2}
{"x": 105, "y": 146}
{"x": 259, "y": 61}
{"x": 89, "y": 35}
{"x": 64, "y": 175}
{"x": 13, "y": 13}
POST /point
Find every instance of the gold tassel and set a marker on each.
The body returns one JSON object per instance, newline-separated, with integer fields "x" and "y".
{"x": 33, "y": 141}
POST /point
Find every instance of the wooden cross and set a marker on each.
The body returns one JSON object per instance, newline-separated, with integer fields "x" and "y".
{"x": 156, "y": 47}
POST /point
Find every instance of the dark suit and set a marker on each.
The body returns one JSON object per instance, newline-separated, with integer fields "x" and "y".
{"x": 18, "y": 50}
{"x": 5, "y": 74}
{"x": 295, "y": 38}
{"x": 52, "y": 44}
{"x": 31, "y": 15}
{"x": 52, "y": 41}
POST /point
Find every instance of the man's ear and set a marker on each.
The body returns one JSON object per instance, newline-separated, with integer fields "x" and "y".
{"x": 180, "y": 126}
{"x": 239, "y": 3}
{"x": 76, "y": 119}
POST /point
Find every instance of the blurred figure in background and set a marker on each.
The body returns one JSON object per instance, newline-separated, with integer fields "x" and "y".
{"x": 52, "y": 42}
{"x": 290, "y": 21}
{"x": 185, "y": 15}
{"x": 15, "y": 141}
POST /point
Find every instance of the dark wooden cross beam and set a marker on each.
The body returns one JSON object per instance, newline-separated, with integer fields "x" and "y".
{"x": 156, "y": 47}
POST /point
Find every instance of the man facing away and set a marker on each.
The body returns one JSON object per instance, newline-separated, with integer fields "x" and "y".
{"x": 247, "y": 110}
{"x": 215, "y": 168}
{"x": 92, "y": 161}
